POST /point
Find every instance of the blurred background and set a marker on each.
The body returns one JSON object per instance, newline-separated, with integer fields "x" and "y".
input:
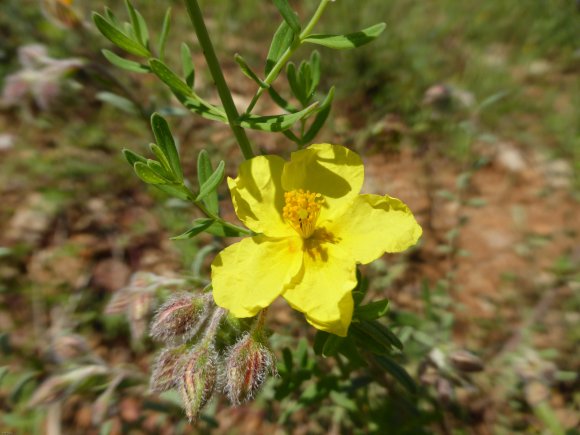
{"x": 467, "y": 111}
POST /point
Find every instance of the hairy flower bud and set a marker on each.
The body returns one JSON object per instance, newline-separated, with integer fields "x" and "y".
{"x": 179, "y": 315}
{"x": 197, "y": 378}
{"x": 164, "y": 377}
{"x": 466, "y": 361}
{"x": 248, "y": 364}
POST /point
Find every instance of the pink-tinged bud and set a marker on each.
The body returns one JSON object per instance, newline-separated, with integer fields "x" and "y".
{"x": 164, "y": 375}
{"x": 68, "y": 347}
{"x": 179, "y": 315}
{"x": 197, "y": 379}
{"x": 138, "y": 309}
{"x": 466, "y": 361}
{"x": 248, "y": 364}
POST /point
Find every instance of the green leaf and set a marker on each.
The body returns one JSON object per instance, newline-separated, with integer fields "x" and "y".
{"x": 156, "y": 149}
{"x": 118, "y": 101}
{"x": 164, "y": 32}
{"x": 218, "y": 229}
{"x": 119, "y": 38}
{"x": 351, "y": 40}
{"x": 315, "y": 69}
{"x": 133, "y": 158}
{"x": 158, "y": 168}
{"x": 294, "y": 82}
{"x": 280, "y": 101}
{"x": 193, "y": 104}
{"x": 247, "y": 71}
{"x": 204, "y": 172}
{"x": 288, "y": 14}
{"x": 167, "y": 76}
{"x": 121, "y": 62}
{"x": 320, "y": 118}
{"x": 281, "y": 41}
{"x": 380, "y": 333}
{"x": 211, "y": 184}
{"x": 398, "y": 372}
{"x": 138, "y": 23}
{"x": 176, "y": 190}
{"x": 145, "y": 173}
{"x": 373, "y": 310}
{"x": 199, "y": 225}
{"x": 187, "y": 64}
{"x": 332, "y": 345}
{"x": 319, "y": 341}
{"x": 275, "y": 122}
{"x": 165, "y": 141}
{"x": 342, "y": 400}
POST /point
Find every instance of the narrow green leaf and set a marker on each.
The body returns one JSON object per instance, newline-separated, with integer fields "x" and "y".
{"x": 373, "y": 310}
{"x": 118, "y": 101}
{"x": 367, "y": 341}
{"x": 167, "y": 76}
{"x": 147, "y": 174}
{"x": 201, "y": 109}
{"x": 247, "y": 71}
{"x": 319, "y": 341}
{"x": 288, "y": 14}
{"x": 351, "y": 40}
{"x": 342, "y": 400}
{"x": 315, "y": 69}
{"x": 305, "y": 82}
{"x": 164, "y": 32}
{"x": 381, "y": 333}
{"x": 275, "y": 122}
{"x": 294, "y": 83}
{"x": 176, "y": 190}
{"x": 165, "y": 141}
{"x": 281, "y": 41}
{"x": 156, "y": 149}
{"x": 280, "y": 101}
{"x": 118, "y": 37}
{"x": 212, "y": 182}
{"x": 110, "y": 16}
{"x": 332, "y": 345}
{"x": 158, "y": 168}
{"x": 199, "y": 225}
{"x": 204, "y": 172}
{"x": 320, "y": 118}
{"x": 129, "y": 65}
{"x": 133, "y": 158}
{"x": 398, "y": 372}
{"x": 218, "y": 229}
{"x": 187, "y": 64}
{"x": 138, "y": 24}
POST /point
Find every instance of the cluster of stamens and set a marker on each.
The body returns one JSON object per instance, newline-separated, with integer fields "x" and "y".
{"x": 301, "y": 210}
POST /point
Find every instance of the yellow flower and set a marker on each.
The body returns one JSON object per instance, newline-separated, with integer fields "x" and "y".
{"x": 313, "y": 228}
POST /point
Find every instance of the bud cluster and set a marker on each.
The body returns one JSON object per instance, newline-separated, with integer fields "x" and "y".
{"x": 194, "y": 366}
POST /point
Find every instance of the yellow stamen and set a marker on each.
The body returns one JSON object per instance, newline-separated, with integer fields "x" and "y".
{"x": 301, "y": 210}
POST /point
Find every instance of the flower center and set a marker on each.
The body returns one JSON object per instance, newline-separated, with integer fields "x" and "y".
{"x": 301, "y": 210}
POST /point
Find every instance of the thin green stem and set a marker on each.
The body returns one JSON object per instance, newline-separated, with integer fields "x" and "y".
{"x": 273, "y": 74}
{"x": 225, "y": 95}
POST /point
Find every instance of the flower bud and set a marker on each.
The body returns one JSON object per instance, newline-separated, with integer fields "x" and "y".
{"x": 248, "y": 364}
{"x": 197, "y": 379}
{"x": 163, "y": 376}
{"x": 177, "y": 316}
{"x": 466, "y": 361}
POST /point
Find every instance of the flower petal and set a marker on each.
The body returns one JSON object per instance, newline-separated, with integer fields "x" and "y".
{"x": 258, "y": 196}
{"x": 331, "y": 170}
{"x": 322, "y": 290}
{"x": 374, "y": 225}
{"x": 247, "y": 276}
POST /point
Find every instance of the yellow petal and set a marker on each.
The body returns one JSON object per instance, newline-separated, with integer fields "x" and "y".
{"x": 258, "y": 196}
{"x": 331, "y": 170}
{"x": 247, "y": 276}
{"x": 374, "y": 225}
{"x": 322, "y": 289}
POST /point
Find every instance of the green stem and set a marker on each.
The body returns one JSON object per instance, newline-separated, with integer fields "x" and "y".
{"x": 225, "y": 95}
{"x": 273, "y": 74}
